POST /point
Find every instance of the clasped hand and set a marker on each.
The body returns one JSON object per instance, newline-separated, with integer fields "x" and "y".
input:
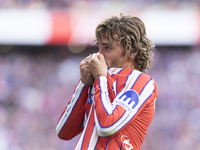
{"x": 92, "y": 67}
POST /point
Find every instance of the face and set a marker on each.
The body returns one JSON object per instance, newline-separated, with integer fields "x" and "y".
{"x": 114, "y": 53}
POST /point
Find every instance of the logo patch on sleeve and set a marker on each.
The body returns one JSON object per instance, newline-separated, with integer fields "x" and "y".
{"x": 128, "y": 100}
{"x": 131, "y": 97}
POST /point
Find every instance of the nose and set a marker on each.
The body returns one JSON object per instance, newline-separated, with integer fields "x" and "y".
{"x": 100, "y": 51}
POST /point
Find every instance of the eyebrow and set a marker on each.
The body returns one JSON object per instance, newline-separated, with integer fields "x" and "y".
{"x": 108, "y": 44}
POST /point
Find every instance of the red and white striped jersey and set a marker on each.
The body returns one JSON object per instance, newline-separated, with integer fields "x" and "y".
{"x": 112, "y": 114}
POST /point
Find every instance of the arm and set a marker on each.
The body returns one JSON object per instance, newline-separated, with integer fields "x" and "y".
{"x": 112, "y": 117}
{"x": 71, "y": 120}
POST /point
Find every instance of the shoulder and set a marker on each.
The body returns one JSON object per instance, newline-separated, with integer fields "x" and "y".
{"x": 139, "y": 76}
{"x": 126, "y": 72}
{"x": 140, "y": 81}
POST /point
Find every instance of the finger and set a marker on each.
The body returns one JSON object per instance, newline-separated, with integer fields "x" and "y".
{"x": 89, "y": 57}
{"x": 100, "y": 56}
{"x": 93, "y": 58}
{"x": 84, "y": 66}
{"x": 86, "y": 60}
{"x": 94, "y": 55}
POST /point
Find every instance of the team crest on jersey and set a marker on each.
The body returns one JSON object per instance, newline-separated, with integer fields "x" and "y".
{"x": 90, "y": 99}
{"x": 91, "y": 94}
{"x": 126, "y": 142}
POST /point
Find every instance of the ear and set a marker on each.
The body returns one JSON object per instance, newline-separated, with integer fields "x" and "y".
{"x": 130, "y": 56}
{"x": 131, "y": 59}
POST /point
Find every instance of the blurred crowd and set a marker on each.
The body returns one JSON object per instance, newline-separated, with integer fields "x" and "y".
{"x": 177, "y": 119}
{"x": 35, "y": 86}
{"x": 67, "y": 4}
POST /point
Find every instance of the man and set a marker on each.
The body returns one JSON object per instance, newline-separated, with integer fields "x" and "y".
{"x": 114, "y": 101}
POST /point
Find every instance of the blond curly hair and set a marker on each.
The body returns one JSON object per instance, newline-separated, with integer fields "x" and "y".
{"x": 132, "y": 33}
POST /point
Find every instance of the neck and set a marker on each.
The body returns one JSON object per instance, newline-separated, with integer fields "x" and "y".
{"x": 129, "y": 64}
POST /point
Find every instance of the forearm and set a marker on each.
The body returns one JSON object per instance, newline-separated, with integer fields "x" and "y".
{"x": 112, "y": 117}
{"x": 71, "y": 119}
{"x": 106, "y": 114}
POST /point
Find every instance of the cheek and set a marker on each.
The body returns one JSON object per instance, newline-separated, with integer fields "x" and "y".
{"x": 112, "y": 59}
{"x": 108, "y": 61}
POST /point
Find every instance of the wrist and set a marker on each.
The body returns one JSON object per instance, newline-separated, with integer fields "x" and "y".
{"x": 100, "y": 75}
{"x": 85, "y": 83}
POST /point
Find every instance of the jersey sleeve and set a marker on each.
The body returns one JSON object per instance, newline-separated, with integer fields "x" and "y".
{"x": 71, "y": 120}
{"x": 112, "y": 117}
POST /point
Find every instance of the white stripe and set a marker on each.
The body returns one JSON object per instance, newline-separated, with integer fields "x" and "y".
{"x": 70, "y": 107}
{"x": 85, "y": 120}
{"x": 110, "y": 70}
{"x": 115, "y": 87}
{"x": 147, "y": 90}
{"x": 104, "y": 95}
{"x": 80, "y": 142}
{"x": 115, "y": 72}
{"x": 93, "y": 139}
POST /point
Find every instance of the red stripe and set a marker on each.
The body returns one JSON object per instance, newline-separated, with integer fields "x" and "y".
{"x": 110, "y": 88}
{"x": 141, "y": 82}
{"x": 102, "y": 142}
{"x": 114, "y": 143}
{"x": 122, "y": 77}
{"x": 128, "y": 84}
{"x": 89, "y": 131}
